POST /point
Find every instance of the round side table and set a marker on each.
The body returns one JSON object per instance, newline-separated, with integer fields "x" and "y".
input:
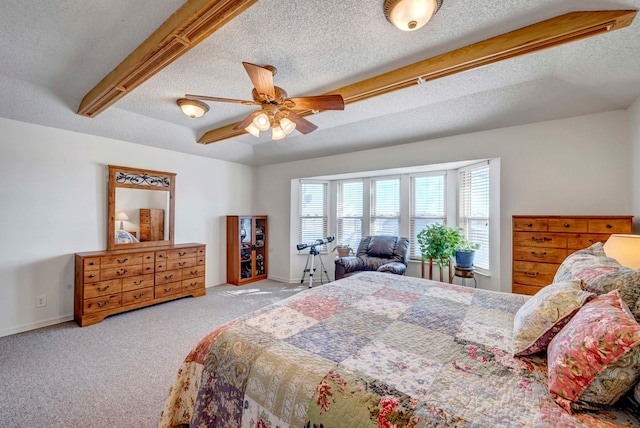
{"x": 465, "y": 273}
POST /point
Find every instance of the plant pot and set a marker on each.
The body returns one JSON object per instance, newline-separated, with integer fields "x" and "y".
{"x": 464, "y": 259}
{"x": 343, "y": 252}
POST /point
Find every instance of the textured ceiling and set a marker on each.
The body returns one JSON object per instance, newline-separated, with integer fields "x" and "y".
{"x": 55, "y": 51}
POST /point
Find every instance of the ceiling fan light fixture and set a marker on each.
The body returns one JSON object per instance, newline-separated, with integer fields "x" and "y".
{"x": 277, "y": 133}
{"x": 192, "y": 108}
{"x": 251, "y": 129}
{"x": 262, "y": 122}
{"x": 287, "y": 126}
{"x": 409, "y": 15}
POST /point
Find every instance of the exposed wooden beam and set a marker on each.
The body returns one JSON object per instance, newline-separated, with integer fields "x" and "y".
{"x": 546, "y": 34}
{"x": 192, "y": 23}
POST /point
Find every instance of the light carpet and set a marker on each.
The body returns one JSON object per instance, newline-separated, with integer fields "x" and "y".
{"x": 116, "y": 373}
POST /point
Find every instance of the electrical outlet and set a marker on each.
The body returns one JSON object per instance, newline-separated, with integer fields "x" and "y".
{"x": 41, "y": 300}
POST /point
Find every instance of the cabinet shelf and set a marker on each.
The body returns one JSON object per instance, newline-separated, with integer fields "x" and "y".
{"x": 246, "y": 249}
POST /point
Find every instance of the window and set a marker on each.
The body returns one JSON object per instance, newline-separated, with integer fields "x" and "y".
{"x": 427, "y": 205}
{"x": 349, "y": 213}
{"x": 385, "y": 206}
{"x": 474, "y": 210}
{"x": 313, "y": 212}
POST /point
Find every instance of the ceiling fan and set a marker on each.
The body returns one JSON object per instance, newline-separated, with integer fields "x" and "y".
{"x": 276, "y": 109}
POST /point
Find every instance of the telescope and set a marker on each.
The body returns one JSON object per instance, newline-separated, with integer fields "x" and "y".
{"x": 303, "y": 245}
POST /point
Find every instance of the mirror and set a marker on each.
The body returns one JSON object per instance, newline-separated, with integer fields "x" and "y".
{"x": 140, "y": 209}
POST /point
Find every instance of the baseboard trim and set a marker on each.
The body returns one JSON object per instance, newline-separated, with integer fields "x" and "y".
{"x": 35, "y": 325}
{"x": 297, "y": 281}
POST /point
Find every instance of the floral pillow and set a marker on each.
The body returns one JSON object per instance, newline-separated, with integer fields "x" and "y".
{"x": 544, "y": 315}
{"x": 595, "y": 358}
{"x": 601, "y": 274}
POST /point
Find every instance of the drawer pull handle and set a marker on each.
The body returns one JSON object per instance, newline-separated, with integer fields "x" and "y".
{"x": 103, "y": 288}
{"x": 194, "y": 272}
{"x": 122, "y": 261}
{"x": 166, "y": 290}
{"x": 543, "y": 239}
{"x": 567, "y": 225}
{"x": 91, "y": 264}
{"x": 168, "y": 276}
{"x": 138, "y": 282}
{"x": 593, "y": 241}
{"x": 529, "y": 224}
{"x": 102, "y": 304}
{"x": 160, "y": 266}
{"x": 193, "y": 284}
{"x": 138, "y": 296}
{"x": 161, "y": 256}
{"x": 182, "y": 253}
{"x": 609, "y": 226}
{"x": 92, "y": 276}
{"x": 531, "y": 274}
{"x": 540, "y": 255}
{"x": 122, "y": 271}
{"x": 182, "y": 263}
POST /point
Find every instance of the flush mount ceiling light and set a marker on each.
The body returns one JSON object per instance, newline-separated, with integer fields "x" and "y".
{"x": 192, "y": 108}
{"x": 409, "y": 15}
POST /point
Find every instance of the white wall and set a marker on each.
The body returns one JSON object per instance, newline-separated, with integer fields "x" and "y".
{"x": 634, "y": 138}
{"x": 53, "y": 193}
{"x": 574, "y": 166}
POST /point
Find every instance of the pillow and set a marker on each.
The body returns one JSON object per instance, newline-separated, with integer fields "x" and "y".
{"x": 601, "y": 274}
{"x": 544, "y": 315}
{"x": 594, "y": 359}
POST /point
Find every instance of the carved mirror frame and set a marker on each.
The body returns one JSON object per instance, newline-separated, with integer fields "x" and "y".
{"x": 144, "y": 179}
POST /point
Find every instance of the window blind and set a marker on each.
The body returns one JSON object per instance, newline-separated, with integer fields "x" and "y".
{"x": 474, "y": 210}
{"x": 385, "y": 206}
{"x": 313, "y": 212}
{"x": 349, "y": 213}
{"x": 427, "y": 206}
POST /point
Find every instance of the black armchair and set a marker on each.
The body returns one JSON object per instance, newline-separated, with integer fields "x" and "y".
{"x": 382, "y": 253}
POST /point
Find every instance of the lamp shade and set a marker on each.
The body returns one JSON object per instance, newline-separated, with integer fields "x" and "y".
{"x": 409, "y": 15}
{"x": 277, "y": 133}
{"x": 192, "y": 108}
{"x": 262, "y": 122}
{"x": 122, "y": 216}
{"x": 625, "y": 249}
{"x": 287, "y": 126}
{"x": 251, "y": 129}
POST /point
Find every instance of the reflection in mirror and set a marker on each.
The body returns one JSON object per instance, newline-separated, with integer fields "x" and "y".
{"x": 141, "y": 208}
{"x": 147, "y": 212}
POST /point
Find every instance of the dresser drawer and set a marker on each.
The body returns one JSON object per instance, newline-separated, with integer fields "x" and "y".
{"x": 192, "y": 284}
{"x": 168, "y": 276}
{"x": 192, "y": 272}
{"x": 91, "y": 263}
{"x": 539, "y": 239}
{"x": 121, "y": 260}
{"x": 168, "y": 289}
{"x": 91, "y": 276}
{"x": 528, "y": 273}
{"x": 135, "y": 282}
{"x": 525, "y": 289}
{"x": 101, "y": 288}
{"x": 137, "y": 296}
{"x": 149, "y": 257}
{"x": 161, "y": 266}
{"x": 610, "y": 226}
{"x": 584, "y": 240}
{"x": 148, "y": 268}
{"x": 102, "y": 303}
{"x": 577, "y": 225}
{"x": 120, "y": 272}
{"x": 531, "y": 224}
{"x": 161, "y": 255}
{"x": 537, "y": 254}
{"x": 182, "y": 253}
{"x": 181, "y": 263}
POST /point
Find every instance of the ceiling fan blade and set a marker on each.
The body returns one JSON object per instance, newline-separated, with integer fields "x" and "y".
{"x": 320, "y": 102}
{"x": 247, "y": 120}
{"x": 302, "y": 124}
{"x": 262, "y": 79}
{"x": 222, "y": 100}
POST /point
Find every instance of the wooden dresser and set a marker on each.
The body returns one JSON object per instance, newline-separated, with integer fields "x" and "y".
{"x": 115, "y": 281}
{"x": 541, "y": 243}
{"x": 151, "y": 224}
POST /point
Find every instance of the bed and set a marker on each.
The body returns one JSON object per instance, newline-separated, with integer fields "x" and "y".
{"x": 374, "y": 350}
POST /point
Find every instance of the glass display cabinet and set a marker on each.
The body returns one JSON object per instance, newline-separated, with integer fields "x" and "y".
{"x": 246, "y": 249}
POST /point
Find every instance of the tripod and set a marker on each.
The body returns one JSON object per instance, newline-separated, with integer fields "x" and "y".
{"x": 313, "y": 252}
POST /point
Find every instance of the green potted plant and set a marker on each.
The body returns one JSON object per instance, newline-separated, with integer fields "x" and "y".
{"x": 465, "y": 253}
{"x": 438, "y": 243}
{"x": 343, "y": 250}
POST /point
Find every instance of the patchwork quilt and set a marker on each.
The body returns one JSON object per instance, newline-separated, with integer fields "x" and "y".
{"x": 373, "y": 350}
